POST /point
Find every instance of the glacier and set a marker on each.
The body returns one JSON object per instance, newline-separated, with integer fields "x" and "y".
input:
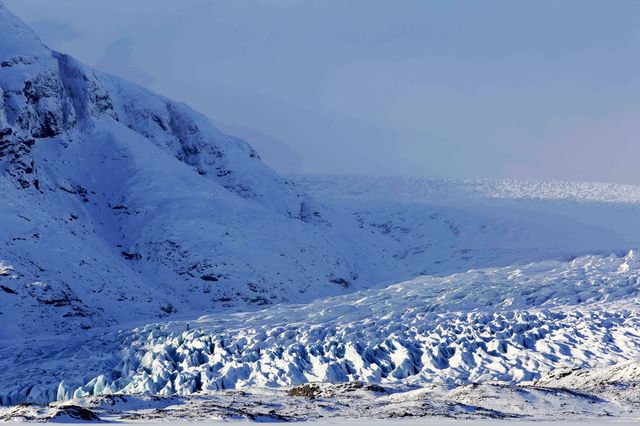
{"x": 510, "y": 325}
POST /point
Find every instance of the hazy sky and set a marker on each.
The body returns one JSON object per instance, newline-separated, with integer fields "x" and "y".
{"x": 537, "y": 89}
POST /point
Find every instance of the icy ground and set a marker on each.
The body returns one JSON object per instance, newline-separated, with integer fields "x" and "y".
{"x": 347, "y": 403}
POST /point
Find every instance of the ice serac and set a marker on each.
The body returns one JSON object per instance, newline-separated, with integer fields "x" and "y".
{"x": 119, "y": 204}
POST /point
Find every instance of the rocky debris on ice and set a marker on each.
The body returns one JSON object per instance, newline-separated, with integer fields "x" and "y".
{"x": 53, "y": 412}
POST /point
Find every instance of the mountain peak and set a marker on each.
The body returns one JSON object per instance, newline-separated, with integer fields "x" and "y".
{"x": 125, "y": 205}
{"x": 17, "y": 39}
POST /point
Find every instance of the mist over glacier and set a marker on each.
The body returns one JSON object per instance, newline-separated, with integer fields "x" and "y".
{"x": 384, "y": 88}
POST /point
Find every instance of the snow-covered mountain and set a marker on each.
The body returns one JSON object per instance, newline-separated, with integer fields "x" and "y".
{"x": 119, "y": 204}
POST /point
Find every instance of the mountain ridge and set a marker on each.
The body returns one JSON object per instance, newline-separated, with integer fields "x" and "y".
{"x": 118, "y": 196}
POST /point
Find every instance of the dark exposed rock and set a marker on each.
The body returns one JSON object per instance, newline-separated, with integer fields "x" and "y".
{"x": 77, "y": 413}
{"x": 308, "y": 390}
{"x": 17, "y": 60}
{"x": 131, "y": 256}
{"x": 8, "y": 289}
{"x": 210, "y": 277}
{"x": 340, "y": 281}
{"x": 315, "y": 390}
{"x": 168, "y": 308}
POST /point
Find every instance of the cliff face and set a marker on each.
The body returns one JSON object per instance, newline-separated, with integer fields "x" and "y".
{"x": 46, "y": 94}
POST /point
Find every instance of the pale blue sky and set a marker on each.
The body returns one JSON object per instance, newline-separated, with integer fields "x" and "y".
{"x": 537, "y": 89}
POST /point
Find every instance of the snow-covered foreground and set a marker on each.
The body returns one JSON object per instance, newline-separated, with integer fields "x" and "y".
{"x": 408, "y": 422}
{"x": 347, "y": 402}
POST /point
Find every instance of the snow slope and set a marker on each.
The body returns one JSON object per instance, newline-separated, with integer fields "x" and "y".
{"x": 446, "y": 226}
{"x": 120, "y": 205}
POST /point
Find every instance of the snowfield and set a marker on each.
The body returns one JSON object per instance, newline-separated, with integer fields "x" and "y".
{"x": 153, "y": 268}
